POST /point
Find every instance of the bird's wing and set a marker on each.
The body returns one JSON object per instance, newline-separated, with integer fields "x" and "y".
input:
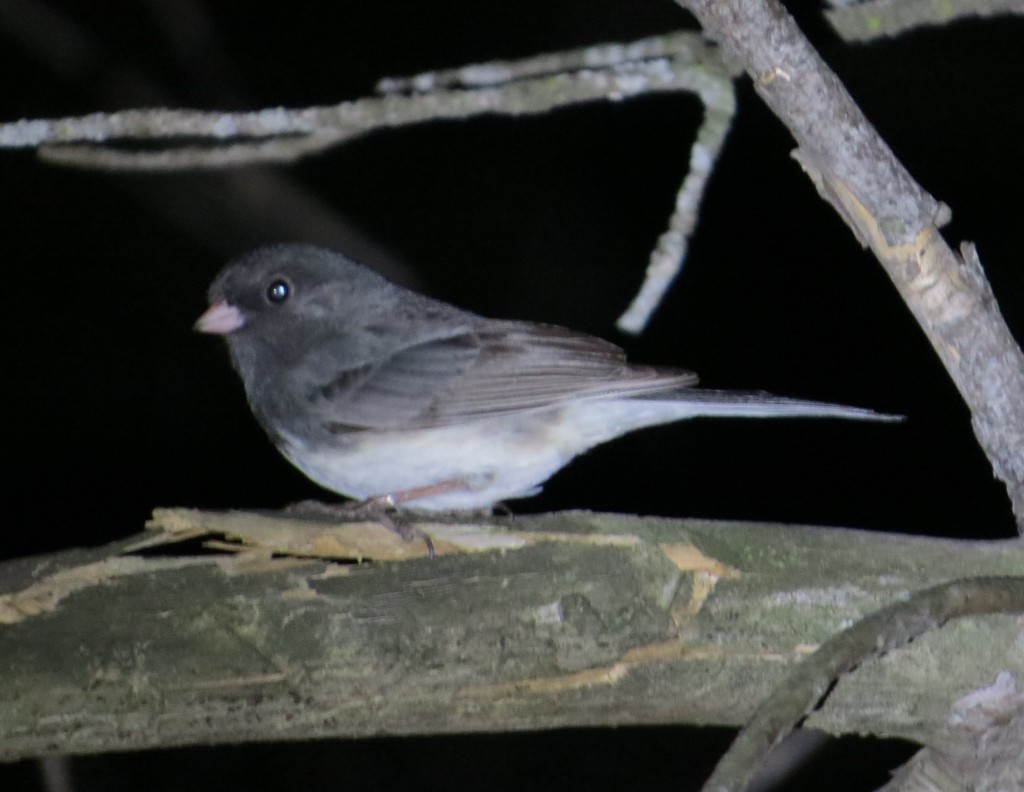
{"x": 492, "y": 368}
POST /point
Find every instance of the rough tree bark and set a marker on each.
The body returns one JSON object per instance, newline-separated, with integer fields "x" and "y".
{"x": 539, "y": 622}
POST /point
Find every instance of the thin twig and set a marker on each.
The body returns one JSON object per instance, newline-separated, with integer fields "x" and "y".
{"x": 612, "y": 72}
{"x": 669, "y": 253}
{"x": 877, "y": 19}
{"x": 883, "y": 631}
{"x": 671, "y": 63}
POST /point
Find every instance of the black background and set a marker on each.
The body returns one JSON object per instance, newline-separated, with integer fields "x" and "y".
{"x": 113, "y": 406}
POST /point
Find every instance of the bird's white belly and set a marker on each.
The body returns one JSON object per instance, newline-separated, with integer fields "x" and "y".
{"x": 498, "y": 458}
{"x": 493, "y": 461}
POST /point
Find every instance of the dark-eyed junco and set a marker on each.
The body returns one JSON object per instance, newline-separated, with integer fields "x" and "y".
{"x": 372, "y": 390}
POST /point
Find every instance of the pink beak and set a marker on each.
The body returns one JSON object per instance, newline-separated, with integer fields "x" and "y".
{"x": 220, "y": 318}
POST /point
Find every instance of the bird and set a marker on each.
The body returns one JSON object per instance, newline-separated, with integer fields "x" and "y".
{"x": 374, "y": 391}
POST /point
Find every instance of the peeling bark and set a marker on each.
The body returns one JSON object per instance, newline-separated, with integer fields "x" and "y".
{"x": 564, "y": 619}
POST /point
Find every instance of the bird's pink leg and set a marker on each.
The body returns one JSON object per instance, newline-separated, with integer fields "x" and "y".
{"x": 384, "y": 508}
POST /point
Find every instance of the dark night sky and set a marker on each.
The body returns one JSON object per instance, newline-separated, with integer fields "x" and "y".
{"x": 114, "y": 406}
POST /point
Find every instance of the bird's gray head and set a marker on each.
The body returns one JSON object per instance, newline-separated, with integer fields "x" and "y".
{"x": 286, "y": 284}
{"x": 277, "y": 303}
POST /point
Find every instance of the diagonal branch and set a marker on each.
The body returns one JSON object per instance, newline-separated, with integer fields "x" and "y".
{"x": 892, "y": 214}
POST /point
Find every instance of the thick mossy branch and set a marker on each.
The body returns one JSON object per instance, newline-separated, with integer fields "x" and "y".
{"x": 565, "y": 619}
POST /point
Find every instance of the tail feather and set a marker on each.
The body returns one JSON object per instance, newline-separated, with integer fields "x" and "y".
{"x": 758, "y": 404}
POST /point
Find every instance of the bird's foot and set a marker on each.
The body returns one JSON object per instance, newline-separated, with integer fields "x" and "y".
{"x": 385, "y": 509}
{"x": 382, "y": 509}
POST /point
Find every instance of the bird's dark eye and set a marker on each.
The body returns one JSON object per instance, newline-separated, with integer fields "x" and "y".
{"x": 278, "y": 291}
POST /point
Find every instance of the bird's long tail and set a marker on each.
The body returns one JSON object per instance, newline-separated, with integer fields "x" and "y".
{"x": 758, "y": 404}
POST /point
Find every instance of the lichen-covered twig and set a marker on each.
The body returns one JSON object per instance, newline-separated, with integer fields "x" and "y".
{"x": 883, "y": 631}
{"x": 612, "y": 72}
{"x": 674, "y": 62}
{"x": 876, "y": 19}
{"x": 669, "y": 253}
